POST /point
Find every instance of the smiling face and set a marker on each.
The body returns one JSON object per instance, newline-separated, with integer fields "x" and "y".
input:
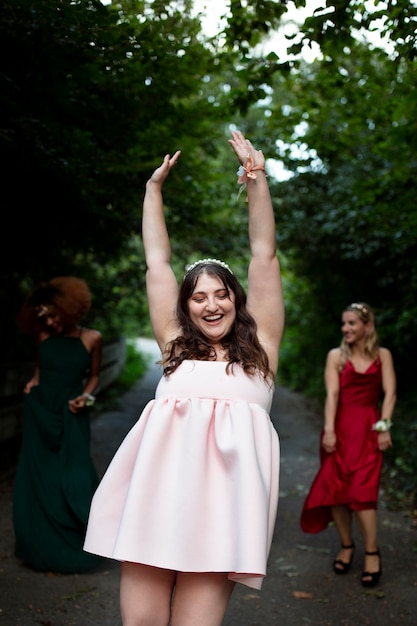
{"x": 353, "y": 328}
{"x": 212, "y": 307}
{"x": 51, "y": 319}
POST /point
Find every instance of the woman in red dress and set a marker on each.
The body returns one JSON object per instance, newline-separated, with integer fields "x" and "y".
{"x": 358, "y": 375}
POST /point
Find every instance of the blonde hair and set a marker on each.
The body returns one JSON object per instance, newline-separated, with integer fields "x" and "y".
{"x": 366, "y": 315}
{"x": 69, "y": 294}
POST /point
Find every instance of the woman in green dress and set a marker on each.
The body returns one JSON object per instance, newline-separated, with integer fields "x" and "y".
{"x": 55, "y": 476}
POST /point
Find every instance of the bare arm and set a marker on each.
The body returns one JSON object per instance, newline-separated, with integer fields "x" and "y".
{"x": 331, "y": 378}
{"x": 95, "y": 347}
{"x": 389, "y": 386}
{"x": 265, "y": 298}
{"x": 33, "y": 382}
{"x": 93, "y": 342}
{"x": 161, "y": 283}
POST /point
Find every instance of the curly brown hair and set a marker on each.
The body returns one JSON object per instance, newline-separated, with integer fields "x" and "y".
{"x": 70, "y": 295}
{"x": 242, "y": 343}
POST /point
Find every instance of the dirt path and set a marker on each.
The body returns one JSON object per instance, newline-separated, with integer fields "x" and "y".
{"x": 300, "y": 587}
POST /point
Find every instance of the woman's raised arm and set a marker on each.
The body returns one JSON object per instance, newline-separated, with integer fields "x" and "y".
{"x": 265, "y": 298}
{"x": 161, "y": 283}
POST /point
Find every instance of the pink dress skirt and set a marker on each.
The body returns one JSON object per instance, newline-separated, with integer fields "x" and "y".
{"x": 194, "y": 485}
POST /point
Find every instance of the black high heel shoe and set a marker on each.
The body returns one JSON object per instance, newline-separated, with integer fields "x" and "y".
{"x": 370, "y": 579}
{"x": 339, "y": 566}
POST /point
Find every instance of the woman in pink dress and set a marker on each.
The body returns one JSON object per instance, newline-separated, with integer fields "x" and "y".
{"x": 356, "y": 433}
{"x": 188, "y": 504}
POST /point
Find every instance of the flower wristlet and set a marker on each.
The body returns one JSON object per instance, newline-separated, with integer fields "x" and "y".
{"x": 382, "y": 426}
{"x": 246, "y": 172}
{"x": 89, "y": 399}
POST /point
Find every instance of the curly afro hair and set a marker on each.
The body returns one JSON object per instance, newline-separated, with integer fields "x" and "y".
{"x": 69, "y": 294}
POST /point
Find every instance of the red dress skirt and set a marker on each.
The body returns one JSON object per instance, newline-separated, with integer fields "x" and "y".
{"x": 349, "y": 476}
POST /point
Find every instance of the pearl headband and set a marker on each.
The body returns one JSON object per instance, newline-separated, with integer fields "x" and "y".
{"x": 188, "y": 268}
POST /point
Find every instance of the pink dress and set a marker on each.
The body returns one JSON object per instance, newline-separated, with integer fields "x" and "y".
{"x": 194, "y": 485}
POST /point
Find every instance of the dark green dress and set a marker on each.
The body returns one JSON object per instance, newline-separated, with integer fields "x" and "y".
{"x": 55, "y": 476}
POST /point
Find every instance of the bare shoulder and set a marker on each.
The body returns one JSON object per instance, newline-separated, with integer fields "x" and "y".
{"x": 385, "y": 355}
{"x": 333, "y": 356}
{"x": 42, "y": 335}
{"x": 91, "y": 332}
{"x": 333, "y": 361}
{"x": 91, "y": 337}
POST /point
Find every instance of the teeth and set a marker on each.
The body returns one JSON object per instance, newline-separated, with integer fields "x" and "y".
{"x": 212, "y": 318}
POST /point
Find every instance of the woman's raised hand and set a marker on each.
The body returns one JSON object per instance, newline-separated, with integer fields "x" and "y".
{"x": 244, "y": 149}
{"x": 163, "y": 170}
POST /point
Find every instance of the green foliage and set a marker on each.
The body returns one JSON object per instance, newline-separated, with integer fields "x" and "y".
{"x": 248, "y": 23}
{"x": 134, "y": 369}
{"x": 346, "y": 220}
{"x": 340, "y": 22}
{"x": 93, "y": 96}
{"x": 353, "y": 193}
{"x": 303, "y": 352}
{"x": 400, "y": 474}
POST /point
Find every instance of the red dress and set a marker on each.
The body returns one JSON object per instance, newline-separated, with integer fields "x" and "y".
{"x": 349, "y": 476}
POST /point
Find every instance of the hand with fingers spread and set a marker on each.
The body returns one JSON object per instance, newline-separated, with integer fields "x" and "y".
{"x": 161, "y": 173}
{"x": 244, "y": 149}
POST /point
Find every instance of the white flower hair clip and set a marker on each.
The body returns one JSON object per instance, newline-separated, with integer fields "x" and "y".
{"x": 42, "y": 310}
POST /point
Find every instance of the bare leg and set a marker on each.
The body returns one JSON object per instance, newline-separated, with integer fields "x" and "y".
{"x": 201, "y": 598}
{"x": 145, "y": 595}
{"x": 342, "y": 518}
{"x": 367, "y": 523}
